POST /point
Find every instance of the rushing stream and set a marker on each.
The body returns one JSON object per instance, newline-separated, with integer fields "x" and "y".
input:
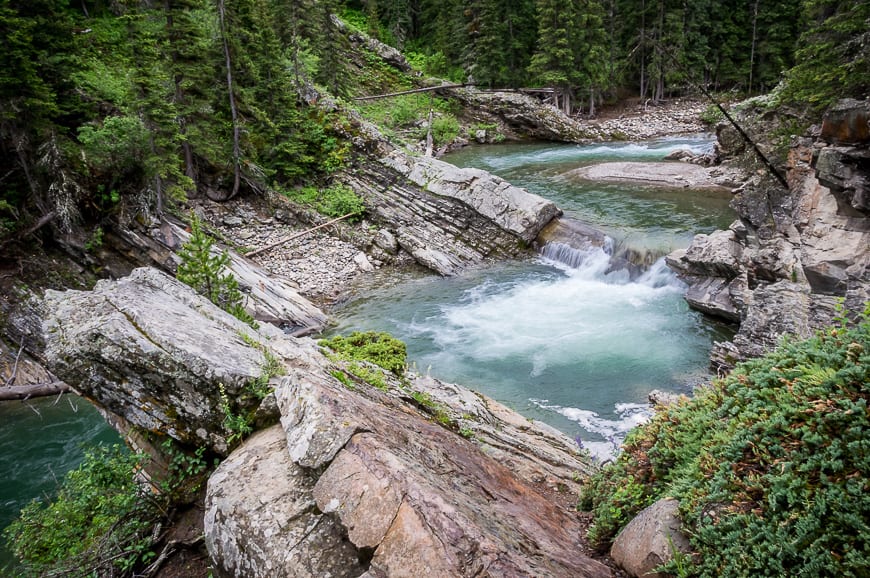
{"x": 574, "y": 346}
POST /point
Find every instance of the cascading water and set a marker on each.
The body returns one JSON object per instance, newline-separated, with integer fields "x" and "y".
{"x": 573, "y": 338}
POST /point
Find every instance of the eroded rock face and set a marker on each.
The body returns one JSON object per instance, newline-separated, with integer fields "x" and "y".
{"x": 792, "y": 254}
{"x": 522, "y": 117}
{"x": 419, "y": 495}
{"x": 151, "y": 350}
{"x": 356, "y": 480}
{"x": 262, "y": 519}
{"x": 446, "y": 217}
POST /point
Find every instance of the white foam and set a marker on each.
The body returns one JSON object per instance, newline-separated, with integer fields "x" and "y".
{"x": 629, "y": 416}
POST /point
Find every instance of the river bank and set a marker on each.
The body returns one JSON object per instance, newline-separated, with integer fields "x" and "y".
{"x": 328, "y": 265}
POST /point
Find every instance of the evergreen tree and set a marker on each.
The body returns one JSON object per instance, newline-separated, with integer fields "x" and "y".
{"x": 505, "y": 41}
{"x": 330, "y": 48}
{"x": 834, "y": 54}
{"x": 571, "y": 48}
{"x": 205, "y": 271}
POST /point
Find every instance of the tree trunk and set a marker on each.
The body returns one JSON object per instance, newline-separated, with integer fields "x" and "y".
{"x": 642, "y": 49}
{"x": 178, "y": 78}
{"x": 754, "y": 40}
{"x": 234, "y": 114}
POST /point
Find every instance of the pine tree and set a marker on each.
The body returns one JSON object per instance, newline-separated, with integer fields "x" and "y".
{"x": 571, "y": 49}
{"x": 505, "y": 40}
{"x": 205, "y": 271}
{"x": 834, "y": 54}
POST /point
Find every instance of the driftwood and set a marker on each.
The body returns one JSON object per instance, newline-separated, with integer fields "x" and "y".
{"x": 297, "y": 235}
{"x": 414, "y": 91}
{"x": 23, "y": 392}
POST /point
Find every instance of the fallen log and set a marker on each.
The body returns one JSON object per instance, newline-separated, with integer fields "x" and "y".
{"x": 21, "y": 392}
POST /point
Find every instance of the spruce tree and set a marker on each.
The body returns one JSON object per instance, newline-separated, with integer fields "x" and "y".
{"x": 205, "y": 271}
{"x": 571, "y": 49}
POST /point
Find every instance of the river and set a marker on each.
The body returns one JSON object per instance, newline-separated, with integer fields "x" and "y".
{"x": 41, "y": 440}
{"x": 573, "y": 346}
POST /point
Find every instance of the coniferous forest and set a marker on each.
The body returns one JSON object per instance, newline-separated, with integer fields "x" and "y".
{"x": 114, "y": 112}
{"x": 108, "y": 99}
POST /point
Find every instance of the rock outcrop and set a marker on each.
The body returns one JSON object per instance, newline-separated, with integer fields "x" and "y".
{"x": 444, "y": 216}
{"x": 522, "y": 117}
{"x": 152, "y": 351}
{"x": 792, "y": 255}
{"x": 657, "y": 174}
{"x": 356, "y": 480}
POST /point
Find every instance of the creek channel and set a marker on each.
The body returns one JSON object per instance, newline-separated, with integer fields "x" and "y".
{"x": 564, "y": 341}
{"x": 562, "y": 338}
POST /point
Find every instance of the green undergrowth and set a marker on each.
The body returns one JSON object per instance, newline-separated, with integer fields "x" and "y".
{"x": 360, "y": 351}
{"x": 770, "y": 464}
{"x": 408, "y": 114}
{"x": 333, "y": 201}
{"x": 379, "y": 348}
{"x": 102, "y": 521}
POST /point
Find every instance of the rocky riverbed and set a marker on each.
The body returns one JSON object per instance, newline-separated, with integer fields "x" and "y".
{"x": 640, "y": 121}
{"x": 326, "y": 265}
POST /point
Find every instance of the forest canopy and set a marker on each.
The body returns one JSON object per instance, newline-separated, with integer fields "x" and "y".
{"x": 124, "y": 104}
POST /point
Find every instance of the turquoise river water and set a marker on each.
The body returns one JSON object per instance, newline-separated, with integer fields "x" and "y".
{"x": 576, "y": 347}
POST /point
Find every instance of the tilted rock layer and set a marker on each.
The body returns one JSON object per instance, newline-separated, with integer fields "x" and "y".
{"x": 356, "y": 481}
{"x": 792, "y": 255}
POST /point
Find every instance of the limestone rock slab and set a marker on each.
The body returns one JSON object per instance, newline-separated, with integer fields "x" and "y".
{"x": 262, "y": 521}
{"x": 151, "y": 350}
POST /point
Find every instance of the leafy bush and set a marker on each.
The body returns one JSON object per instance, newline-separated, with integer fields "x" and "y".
{"x": 444, "y": 129}
{"x": 382, "y": 349}
{"x": 203, "y": 270}
{"x": 776, "y": 455}
{"x": 712, "y": 115}
{"x": 334, "y": 201}
{"x": 101, "y": 521}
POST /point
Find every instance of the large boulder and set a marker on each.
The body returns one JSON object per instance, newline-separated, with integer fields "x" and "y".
{"x": 262, "y": 520}
{"x": 418, "y": 496}
{"x": 153, "y": 351}
{"x": 651, "y": 539}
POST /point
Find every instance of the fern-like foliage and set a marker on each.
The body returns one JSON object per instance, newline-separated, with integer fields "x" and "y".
{"x": 771, "y": 464}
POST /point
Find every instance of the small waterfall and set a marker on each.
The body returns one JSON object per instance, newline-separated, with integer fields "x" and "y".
{"x": 568, "y": 255}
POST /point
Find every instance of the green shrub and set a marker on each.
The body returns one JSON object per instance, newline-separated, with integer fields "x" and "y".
{"x": 101, "y": 523}
{"x": 712, "y": 115}
{"x": 334, "y": 201}
{"x": 776, "y": 456}
{"x": 382, "y": 349}
{"x": 445, "y": 128}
